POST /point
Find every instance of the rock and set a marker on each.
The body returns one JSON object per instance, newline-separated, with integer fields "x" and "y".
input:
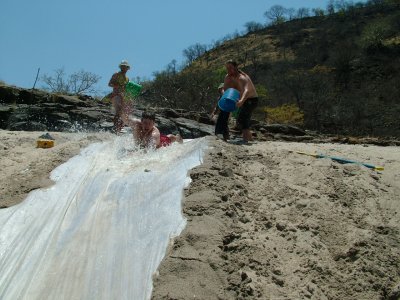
{"x": 24, "y": 109}
{"x": 284, "y": 129}
{"x": 394, "y": 293}
{"x": 197, "y": 129}
{"x": 28, "y": 126}
{"x": 281, "y": 226}
{"x": 228, "y": 172}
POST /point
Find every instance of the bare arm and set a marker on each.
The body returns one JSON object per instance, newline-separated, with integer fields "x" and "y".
{"x": 155, "y": 139}
{"x": 247, "y": 89}
{"x": 112, "y": 83}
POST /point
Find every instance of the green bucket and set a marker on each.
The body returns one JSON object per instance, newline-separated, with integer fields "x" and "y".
{"x": 235, "y": 113}
{"x": 132, "y": 89}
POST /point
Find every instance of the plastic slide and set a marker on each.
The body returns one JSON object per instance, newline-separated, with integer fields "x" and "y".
{"x": 101, "y": 231}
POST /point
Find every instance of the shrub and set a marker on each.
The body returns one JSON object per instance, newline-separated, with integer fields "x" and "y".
{"x": 285, "y": 114}
{"x": 374, "y": 34}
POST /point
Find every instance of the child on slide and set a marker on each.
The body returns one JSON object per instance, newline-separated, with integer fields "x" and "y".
{"x": 146, "y": 134}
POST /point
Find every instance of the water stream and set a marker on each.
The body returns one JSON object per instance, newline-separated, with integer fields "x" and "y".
{"x": 101, "y": 231}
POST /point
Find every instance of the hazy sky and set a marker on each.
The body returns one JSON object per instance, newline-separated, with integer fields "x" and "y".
{"x": 96, "y": 35}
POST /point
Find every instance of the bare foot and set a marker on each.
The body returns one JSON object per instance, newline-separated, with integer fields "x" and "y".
{"x": 179, "y": 139}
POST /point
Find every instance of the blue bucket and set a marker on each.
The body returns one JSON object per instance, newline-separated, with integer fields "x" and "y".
{"x": 228, "y": 100}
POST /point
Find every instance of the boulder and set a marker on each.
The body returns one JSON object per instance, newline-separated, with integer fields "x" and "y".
{"x": 284, "y": 129}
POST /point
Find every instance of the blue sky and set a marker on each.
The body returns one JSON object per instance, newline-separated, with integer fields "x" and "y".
{"x": 96, "y": 35}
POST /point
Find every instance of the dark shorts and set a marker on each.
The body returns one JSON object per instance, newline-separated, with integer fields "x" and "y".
{"x": 221, "y": 127}
{"x": 246, "y": 111}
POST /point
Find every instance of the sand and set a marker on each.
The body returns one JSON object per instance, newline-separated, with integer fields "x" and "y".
{"x": 264, "y": 222}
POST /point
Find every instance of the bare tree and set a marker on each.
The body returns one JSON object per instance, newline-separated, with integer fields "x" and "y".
{"x": 56, "y": 83}
{"x": 330, "y": 8}
{"x": 172, "y": 67}
{"x": 303, "y": 12}
{"x": 77, "y": 83}
{"x": 341, "y": 5}
{"x": 291, "y": 13}
{"x": 253, "y": 26}
{"x": 193, "y": 52}
{"x": 276, "y": 14}
{"x": 318, "y": 12}
{"x": 83, "y": 82}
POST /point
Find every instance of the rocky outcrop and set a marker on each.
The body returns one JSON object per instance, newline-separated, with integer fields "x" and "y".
{"x": 22, "y": 109}
{"x": 36, "y": 110}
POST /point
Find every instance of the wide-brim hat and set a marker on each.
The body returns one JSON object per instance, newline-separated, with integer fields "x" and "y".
{"x": 125, "y": 64}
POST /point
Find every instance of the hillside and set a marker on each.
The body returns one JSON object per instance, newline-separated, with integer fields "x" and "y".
{"x": 341, "y": 70}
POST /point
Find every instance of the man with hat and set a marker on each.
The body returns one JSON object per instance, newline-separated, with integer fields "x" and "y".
{"x": 118, "y": 82}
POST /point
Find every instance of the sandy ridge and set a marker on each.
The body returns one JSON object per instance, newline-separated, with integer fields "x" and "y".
{"x": 263, "y": 221}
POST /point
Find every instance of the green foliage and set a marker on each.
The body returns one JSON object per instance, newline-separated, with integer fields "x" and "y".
{"x": 261, "y": 91}
{"x": 219, "y": 74}
{"x": 318, "y": 63}
{"x": 374, "y": 34}
{"x": 194, "y": 89}
{"x": 285, "y": 114}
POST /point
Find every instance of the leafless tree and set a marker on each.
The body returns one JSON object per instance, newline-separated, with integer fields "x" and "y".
{"x": 253, "y": 26}
{"x": 276, "y": 14}
{"x": 303, "y": 12}
{"x": 291, "y": 13}
{"x": 330, "y": 8}
{"x": 77, "y": 83}
{"x": 193, "y": 52}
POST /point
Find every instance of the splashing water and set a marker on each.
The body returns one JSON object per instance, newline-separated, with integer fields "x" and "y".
{"x": 101, "y": 231}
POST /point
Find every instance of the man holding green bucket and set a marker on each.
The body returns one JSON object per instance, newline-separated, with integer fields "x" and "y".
{"x": 118, "y": 82}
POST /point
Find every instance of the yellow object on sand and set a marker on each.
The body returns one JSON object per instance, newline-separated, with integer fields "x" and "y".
{"x": 43, "y": 143}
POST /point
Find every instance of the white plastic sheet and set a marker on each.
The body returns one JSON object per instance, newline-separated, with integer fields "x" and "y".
{"x": 101, "y": 231}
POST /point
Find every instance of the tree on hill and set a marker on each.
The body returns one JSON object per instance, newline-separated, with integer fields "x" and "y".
{"x": 253, "y": 26}
{"x": 325, "y": 66}
{"x": 276, "y": 14}
{"x": 193, "y": 52}
{"x": 77, "y": 83}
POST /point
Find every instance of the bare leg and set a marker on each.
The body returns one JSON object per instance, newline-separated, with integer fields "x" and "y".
{"x": 247, "y": 135}
{"x": 118, "y": 123}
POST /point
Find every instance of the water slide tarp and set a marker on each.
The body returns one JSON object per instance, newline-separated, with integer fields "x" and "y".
{"x": 101, "y": 231}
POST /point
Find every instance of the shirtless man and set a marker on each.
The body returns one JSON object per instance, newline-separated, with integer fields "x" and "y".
{"x": 147, "y": 134}
{"x": 248, "y": 101}
{"x": 118, "y": 82}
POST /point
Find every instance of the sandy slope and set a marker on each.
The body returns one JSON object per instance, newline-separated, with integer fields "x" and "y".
{"x": 263, "y": 221}
{"x": 267, "y": 223}
{"x": 23, "y": 167}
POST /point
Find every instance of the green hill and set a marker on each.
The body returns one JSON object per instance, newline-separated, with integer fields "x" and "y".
{"x": 340, "y": 72}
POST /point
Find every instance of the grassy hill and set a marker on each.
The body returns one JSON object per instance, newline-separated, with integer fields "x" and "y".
{"x": 338, "y": 73}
